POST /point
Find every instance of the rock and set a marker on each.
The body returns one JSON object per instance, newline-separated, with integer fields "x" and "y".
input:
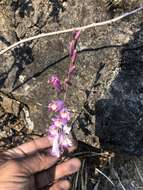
{"x": 37, "y": 60}
{"x": 109, "y": 71}
{"x": 119, "y": 126}
{"x": 119, "y": 116}
{"x": 15, "y": 122}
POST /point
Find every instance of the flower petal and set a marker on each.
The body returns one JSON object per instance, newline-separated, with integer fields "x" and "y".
{"x": 59, "y": 122}
{"x": 56, "y": 147}
{"x": 76, "y": 34}
{"x": 65, "y": 142}
{"x": 71, "y": 47}
{"x": 74, "y": 56}
{"x": 66, "y": 129}
{"x": 52, "y": 131}
{"x": 65, "y": 114}
{"x": 55, "y": 82}
{"x": 56, "y": 105}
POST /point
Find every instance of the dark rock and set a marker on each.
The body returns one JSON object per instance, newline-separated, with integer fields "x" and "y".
{"x": 119, "y": 117}
{"x": 119, "y": 126}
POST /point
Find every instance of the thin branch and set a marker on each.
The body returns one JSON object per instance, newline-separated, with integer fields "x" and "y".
{"x": 116, "y": 174}
{"x": 96, "y": 185}
{"x": 82, "y": 28}
{"x": 139, "y": 173}
{"x": 105, "y": 176}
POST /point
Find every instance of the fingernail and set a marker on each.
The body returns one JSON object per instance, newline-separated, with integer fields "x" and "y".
{"x": 75, "y": 165}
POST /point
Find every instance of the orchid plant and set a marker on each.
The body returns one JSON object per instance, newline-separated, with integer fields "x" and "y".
{"x": 59, "y": 131}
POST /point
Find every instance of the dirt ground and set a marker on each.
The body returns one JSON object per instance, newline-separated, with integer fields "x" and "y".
{"x": 107, "y": 91}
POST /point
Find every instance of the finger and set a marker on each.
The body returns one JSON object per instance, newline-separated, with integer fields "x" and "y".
{"x": 36, "y": 145}
{"x": 45, "y": 178}
{"x": 32, "y": 147}
{"x": 37, "y": 163}
{"x": 67, "y": 168}
{"x": 60, "y": 185}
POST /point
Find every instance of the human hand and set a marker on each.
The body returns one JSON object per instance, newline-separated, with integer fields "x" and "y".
{"x": 27, "y": 167}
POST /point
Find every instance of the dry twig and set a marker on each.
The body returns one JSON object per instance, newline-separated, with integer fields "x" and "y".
{"x": 82, "y": 28}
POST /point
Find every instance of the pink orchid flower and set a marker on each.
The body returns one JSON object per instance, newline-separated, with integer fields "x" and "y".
{"x": 56, "y": 105}
{"x": 74, "y": 56}
{"x": 65, "y": 114}
{"x": 71, "y": 47}
{"x": 60, "y": 143}
{"x": 59, "y": 122}
{"x": 56, "y": 146}
{"x": 55, "y": 82}
{"x": 77, "y": 35}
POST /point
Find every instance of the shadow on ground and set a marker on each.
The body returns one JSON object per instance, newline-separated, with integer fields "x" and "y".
{"x": 119, "y": 116}
{"x": 22, "y": 57}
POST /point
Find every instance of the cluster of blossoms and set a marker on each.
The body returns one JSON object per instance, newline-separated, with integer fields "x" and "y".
{"x": 60, "y": 131}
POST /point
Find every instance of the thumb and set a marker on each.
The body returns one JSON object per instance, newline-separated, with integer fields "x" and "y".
{"x": 37, "y": 163}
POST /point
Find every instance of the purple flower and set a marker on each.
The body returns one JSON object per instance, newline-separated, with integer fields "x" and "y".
{"x": 60, "y": 132}
{"x": 72, "y": 44}
{"x": 71, "y": 47}
{"x": 65, "y": 142}
{"x": 60, "y": 142}
{"x": 66, "y": 129}
{"x": 74, "y": 56}
{"x": 59, "y": 122}
{"x": 56, "y": 146}
{"x": 52, "y": 131}
{"x": 55, "y": 82}
{"x": 56, "y": 105}
{"x": 77, "y": 35}
{"x": 65, "y": 114}
{"x": 60, "y": 139}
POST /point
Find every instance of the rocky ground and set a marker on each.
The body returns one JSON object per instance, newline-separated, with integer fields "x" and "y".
{"x": 107, "y": 91}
